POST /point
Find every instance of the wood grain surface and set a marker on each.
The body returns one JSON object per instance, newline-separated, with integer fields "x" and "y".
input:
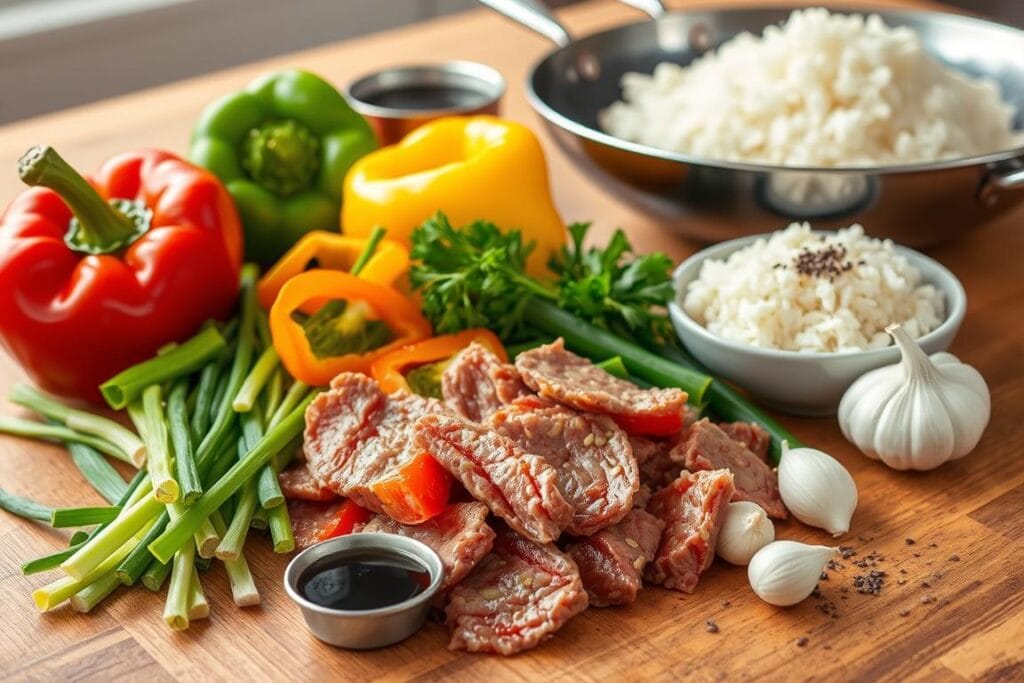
{"x": 952, "y": 607}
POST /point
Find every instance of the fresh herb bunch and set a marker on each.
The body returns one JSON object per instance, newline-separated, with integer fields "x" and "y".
{"x": 613, "y": 288}
{"x": 475, "y": 276}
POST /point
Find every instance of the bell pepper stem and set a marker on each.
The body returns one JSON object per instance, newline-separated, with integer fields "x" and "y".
{"x": 99, "y": 227}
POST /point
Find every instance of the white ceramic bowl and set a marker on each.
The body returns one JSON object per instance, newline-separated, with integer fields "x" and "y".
{"x": 803, "y": 382}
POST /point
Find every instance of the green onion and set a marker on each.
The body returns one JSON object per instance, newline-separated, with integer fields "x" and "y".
{"x": 179, "y": 531}
{"x": 81, "y": 421}
{"x": 24, "y": 507}
{"x": 281, "y": 529}
{"x": 372, "y": 242}
{"x": 154, "y": 431}
{"x": 98, "y": 472}
{"x": 56, "y": 592}
{"x": 17, "y": 426}
{"x": 176, "y": 608}
{"x": 268, "y": 489}
{"x": 78, "y": 538}
{"x": 243, "y": 588}
{"x": 207, "y": 540}
{"x": 198, "y": 605}
{"x": 155, "y": 575}
{"x": 113, "y": 536}
{"x": 259, "y": 519}
{"x": 138, "y": 560}
{"x": 730, "y": 406}
{"x": 127, "y": 385}
{"x": 205, "y": 391}
{"x": 61, "y": 518}
{"x": 181, "y": 440}
{"x": 296, "y": 392}
{"x": 275, "y": 392}
{"x": 614, "y": 366}
{"x": 256, "y": 380}
{"x": 232, "y": 542}
{"x": 93, "y": 594}
{"x": 599, "y": 345}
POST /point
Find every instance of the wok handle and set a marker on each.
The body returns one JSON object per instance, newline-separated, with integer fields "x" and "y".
{"x": 533, "y": 15}
{"x": 655, "y": 8}
{"x": 998, "y": 181}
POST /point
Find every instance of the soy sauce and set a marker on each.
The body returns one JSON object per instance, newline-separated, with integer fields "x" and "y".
{"x": 427, "y": 97}
{"x": 363, "y": 582}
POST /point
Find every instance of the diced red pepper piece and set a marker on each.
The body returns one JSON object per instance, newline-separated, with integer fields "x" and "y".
{"x": 416, "y": 491}
{"x": 347, "y": 517}
{"x": 650, "y": 425}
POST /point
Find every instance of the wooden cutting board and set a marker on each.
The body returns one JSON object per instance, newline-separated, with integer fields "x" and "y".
{"x": 953, "y": 603}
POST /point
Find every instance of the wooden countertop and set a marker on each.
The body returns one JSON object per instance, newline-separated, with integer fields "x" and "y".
{"x": 973, "y": 509}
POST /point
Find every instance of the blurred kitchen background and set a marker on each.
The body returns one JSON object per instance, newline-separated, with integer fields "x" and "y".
{"x": 56, "y": 54}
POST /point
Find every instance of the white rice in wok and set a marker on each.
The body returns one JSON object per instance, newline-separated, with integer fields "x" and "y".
{"x": 822, "y": 89}
{"x": 802, "y": 291}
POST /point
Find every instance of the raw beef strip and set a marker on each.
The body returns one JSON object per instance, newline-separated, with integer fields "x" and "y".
{"x": 657, "y": 468}
{"x": 309, "y": 520}
{"x": 612, "y": 561}
{"x": 692, "y": 508}
{"x": 596, "y": 470}
{"x": 752, "y": 436}
{"x": 709, "y": 448}
{"x": 564, "y": 377}
{"x": 297, "y": 483}
{"x": 476, "y": 383}
{"x": 459, "y": 535}
{"x": 520, "y": 593}
{"x": 519, "y": 487}
{"x": 356, "y": 434}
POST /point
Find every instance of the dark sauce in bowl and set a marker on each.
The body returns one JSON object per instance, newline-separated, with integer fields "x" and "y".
{"x": 428, "y": 97}
{"x": 363, "y": 581}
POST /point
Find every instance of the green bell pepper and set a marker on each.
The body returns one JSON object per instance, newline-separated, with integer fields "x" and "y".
{"x": 282, "y": 147}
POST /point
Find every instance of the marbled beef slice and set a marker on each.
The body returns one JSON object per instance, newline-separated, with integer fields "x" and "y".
{"x": 476, "y": 383}
{"x": 692, "y": 507}
{"x": 519, "y": 487}
{"x": 707, "y": 447}
{"x": 597, "y": 474}
{"x": 753, "y": 436}
{"x": 459, "y": 535}
{"x": 562, "y": 376}
{"x": 297, "y": 483}
{"x": 520, "y": 594}
{"x": 612, "y": 561}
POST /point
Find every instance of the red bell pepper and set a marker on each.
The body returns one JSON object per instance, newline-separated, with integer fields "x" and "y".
{"x": 414, "y": 492}
{"x": 95, "y": 278}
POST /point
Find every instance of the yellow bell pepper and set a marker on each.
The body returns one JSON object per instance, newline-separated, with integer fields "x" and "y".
{"x": 470, "y": 168}
{"x": 322, "y": 249}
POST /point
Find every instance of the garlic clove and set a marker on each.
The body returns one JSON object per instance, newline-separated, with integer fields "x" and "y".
{"x": 817, "y": 489}
{"x": 783, "y": 573}
{"x": 745, "y": 530}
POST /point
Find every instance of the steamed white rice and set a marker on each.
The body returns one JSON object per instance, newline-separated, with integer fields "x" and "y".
{"x": 757, "y": 295}
{"x": 822, "y": 89}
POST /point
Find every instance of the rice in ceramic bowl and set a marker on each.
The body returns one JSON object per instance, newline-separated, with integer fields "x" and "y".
{"x": 798, "y": 290}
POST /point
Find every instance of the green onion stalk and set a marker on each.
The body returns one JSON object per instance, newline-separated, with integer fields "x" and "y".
{"x": 153, "y": 429}
{"x": 181, "y": 440}
{"x": 98, "y": 472}
{"x": 16, "y": 426}
{"x": 243, "y": 588}
{"x": 62, "y": 518}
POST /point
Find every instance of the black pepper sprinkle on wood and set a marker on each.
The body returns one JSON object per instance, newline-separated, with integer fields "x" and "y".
{"x": 909, "y": 541}
{"x": 833, "y": 565}
{"x": 903, "y": 571}
{"x": 725, "y": 603}
{"x": 847, "y": 551}
{"x": 904, "y": 612}
{"x": 871, "y": 583}
{"x": 710, "y": 626}
{"x": 927, "y": 600}
{"x": 954, "y": 558}
{"x": 823, "y": 577}
{"x": 933, "y": 544}
{"x": 802, "y": 641}
{"x": 925, "y": 584}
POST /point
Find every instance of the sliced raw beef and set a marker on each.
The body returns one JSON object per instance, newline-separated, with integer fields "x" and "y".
{"x": 612, "y": 561}
{"x": 692, "y": 508}
{"x": 596, "y": 470}
{"x": 520, "y": 593}
{"x": 310, "y": 520}
{"x": 459, "y": 535}
{"x": 476, "y": 383}
{"x": 297, "y": 483}
{"x": 356, "y": 435}
{"x": 519, "y": 487}
{"x": 654, "y": 459}
{"x": 709, "y": 448}
{"x": 562, "y": 376}
{"x": 752, "y": 436}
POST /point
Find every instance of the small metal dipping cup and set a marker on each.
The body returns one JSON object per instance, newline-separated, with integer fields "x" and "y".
{"x": 392, "y": 123}
{"x": 366, "y": 629}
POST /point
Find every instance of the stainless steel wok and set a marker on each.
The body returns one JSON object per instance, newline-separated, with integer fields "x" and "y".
{"x": 712, "y": 200}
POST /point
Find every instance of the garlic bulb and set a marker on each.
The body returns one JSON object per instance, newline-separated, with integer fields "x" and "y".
{"x": 817, "y": 489}
{"x": 919, "y": 413}
{"x": 785, "y": 572}
{"x": 745, "y": 530}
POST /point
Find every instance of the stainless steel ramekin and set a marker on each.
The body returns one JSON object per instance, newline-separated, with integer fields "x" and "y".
{"x": 366, "y": 629}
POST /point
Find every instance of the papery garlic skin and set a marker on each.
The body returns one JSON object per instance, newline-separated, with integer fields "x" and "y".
{"x": 745, "y": 530}
{"x": 918, "y": 413}
{"x": 817, "y": 489}
{"x": 785, "y": 572}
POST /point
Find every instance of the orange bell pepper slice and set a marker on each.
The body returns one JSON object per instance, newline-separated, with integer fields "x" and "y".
{"x": 415, "y": 492}
{"x": 344, "y": 520}
{"x": 332, "y": 251}
{"x": 307, "y": 292}
{"x": 389, "y": 370}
